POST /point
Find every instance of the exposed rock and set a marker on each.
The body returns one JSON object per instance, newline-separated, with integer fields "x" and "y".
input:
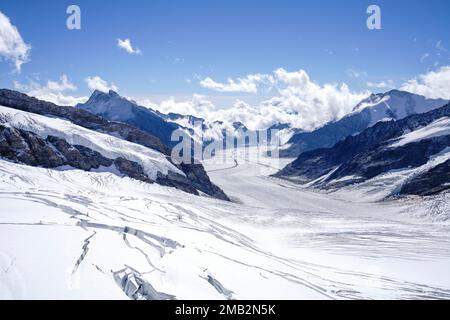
{"x": 78, "y": 156}
{"x": 28, "y": 148}
{"x": 131, "y": 169}
{"x": 200, "y": 180}
{"x": 429, "y": 183}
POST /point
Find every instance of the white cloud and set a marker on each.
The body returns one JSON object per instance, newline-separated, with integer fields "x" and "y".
{"x": 300, "y": 102}
{"x": 434, "y": 84}
{"x": 52, "y": 91}
{"x": 198, "y": 105}
{"x": 356, "y": 74}
{"x": 97, "y": 83}
{"x": 305, "y": 104}
{"x": 424, "y": 57}
{"x": 128, "y": 47}
{"x": 249, "y": 84}
{"x": 381, "y": 85}
{"x": 12, "y": 46}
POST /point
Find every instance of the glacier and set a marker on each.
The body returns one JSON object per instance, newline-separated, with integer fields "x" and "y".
{"x": 72, "y": 234}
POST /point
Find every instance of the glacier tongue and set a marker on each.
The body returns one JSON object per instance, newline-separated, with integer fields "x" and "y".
{"x": 76, "y": 234}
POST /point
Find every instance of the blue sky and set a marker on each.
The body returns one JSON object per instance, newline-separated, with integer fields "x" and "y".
{"x": 183, "y": 42}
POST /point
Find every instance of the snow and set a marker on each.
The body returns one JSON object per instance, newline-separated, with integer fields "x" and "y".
{"x": 438, "y": 128}
{"x": 109, "y": 146}
{"x": 111, "y": 104}
{"x": 398, "y": 103}
{"x": 75, "y": 234}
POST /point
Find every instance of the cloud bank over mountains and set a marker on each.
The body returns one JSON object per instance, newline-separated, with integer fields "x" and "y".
{"x": 434, "y": 84}
{"x": 296, "y": 99}
{"x": 53, "y": 91}
{"x": 97, "y": 83}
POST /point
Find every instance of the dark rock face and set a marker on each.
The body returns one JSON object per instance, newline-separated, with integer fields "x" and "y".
{"x": 197, "y": 175}
{"x": 20, "y": 101}
{"x": 429, "y": 183}
{"x": 28, "y": 148}
{"x": 131, "y": 169}
{"x": 78, "y": 156}
{"x": 326, "y": 136}
{"x": 370, "y": 153}
{"x": 375, "y": 162}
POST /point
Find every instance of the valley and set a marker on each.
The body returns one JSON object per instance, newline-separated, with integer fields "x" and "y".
{"x": 89, "y": 235}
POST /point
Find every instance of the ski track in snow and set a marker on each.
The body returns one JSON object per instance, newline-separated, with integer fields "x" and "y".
{"x": 74, "y": 234}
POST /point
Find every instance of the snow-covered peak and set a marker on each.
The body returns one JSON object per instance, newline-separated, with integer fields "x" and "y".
{"x": 110, "y": 104}
{"x": 396, "y": 104}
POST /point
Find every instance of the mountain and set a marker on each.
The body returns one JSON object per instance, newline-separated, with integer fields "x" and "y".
{"x": 113, "y": 107}
{"x": 40, "y": 133}
{"x": 414, "y": 151}
{"x": 393, "y": 105}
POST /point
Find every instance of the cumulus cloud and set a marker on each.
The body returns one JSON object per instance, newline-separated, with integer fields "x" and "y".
{"x": 381, "y": 85}
{"x": 434, "y": 84}
{"x": 97, "y": 83}
{"x": 128, "y": 47}
{"x": 306, "y": 104}
{"x": 52, "y": 91}
{"x": 12, "y": 46}
{"x": 299, "y": 102}
{"x": 198, "y": 105}
{"x": 249, "y": 84}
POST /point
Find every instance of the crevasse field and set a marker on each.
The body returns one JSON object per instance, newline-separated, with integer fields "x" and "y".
{"x": 70, "y": 234}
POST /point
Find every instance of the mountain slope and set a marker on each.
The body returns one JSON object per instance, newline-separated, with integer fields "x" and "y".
{"x": 113, "y": 107}
{"x": 393, "y": 105}
{"x": 419, "y": 141}
{"x": 119, "y": 140}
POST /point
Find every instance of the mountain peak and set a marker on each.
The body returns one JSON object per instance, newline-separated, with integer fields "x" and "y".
{"x": 112, "y": 94}
{"x": 99, "y": 96}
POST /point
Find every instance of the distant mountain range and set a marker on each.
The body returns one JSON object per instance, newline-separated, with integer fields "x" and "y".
{"x": 393, "y": 105}
{"x": 114, "y": 107}
{"x": 414, "y": 152}
{"x": 393, "y": 131}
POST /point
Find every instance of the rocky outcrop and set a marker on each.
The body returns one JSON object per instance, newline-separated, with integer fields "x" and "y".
{"x": 28, "y": 148}
{"x": 197, "y": 175}
{"x": 78, "y": 156}
{"x": 429, "y": 183}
